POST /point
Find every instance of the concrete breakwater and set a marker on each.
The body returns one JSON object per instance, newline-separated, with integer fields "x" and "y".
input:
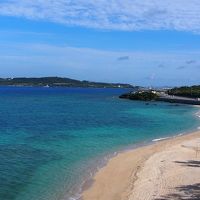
{"x": 177, "y": 99}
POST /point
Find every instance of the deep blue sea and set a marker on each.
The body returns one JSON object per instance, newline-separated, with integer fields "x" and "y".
{"x": 52, "y": 139}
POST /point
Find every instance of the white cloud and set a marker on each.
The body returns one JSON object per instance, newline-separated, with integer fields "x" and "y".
{"x": 130, "y": 15}
{"x": 100, "y": 65}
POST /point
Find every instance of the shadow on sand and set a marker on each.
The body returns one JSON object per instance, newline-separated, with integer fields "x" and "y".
{"x": 185, "y": 192}
{"x": 189, "y": 163}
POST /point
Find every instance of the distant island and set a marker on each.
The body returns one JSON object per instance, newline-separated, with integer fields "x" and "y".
{"x": 59, "y": 82}
{"x": 185, "y": 95}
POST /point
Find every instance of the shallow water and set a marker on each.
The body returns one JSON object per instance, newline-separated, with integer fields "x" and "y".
{"x": 49, "y": 136}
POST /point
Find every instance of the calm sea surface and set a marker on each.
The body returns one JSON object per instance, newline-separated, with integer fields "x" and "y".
{"x": 51, "y": 139}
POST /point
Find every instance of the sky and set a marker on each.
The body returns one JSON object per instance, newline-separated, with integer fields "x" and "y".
{"x": 147, "y": 43}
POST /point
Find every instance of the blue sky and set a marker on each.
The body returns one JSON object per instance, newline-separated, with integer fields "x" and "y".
{"x": 149, "y": 43}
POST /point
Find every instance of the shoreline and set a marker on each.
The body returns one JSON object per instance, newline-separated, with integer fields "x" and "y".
{"x": 116, "y": 179}
{"x": 88, "y": 182}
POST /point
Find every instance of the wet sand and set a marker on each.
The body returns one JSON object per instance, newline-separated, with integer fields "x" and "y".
{"x": 168, "y": 169}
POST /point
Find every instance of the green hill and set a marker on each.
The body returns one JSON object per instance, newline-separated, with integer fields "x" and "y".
{"x": 192, "y": 91}
{"x": 58, "y": 82}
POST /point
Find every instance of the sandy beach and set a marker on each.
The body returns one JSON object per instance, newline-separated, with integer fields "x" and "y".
{"x": 168, "y": 169}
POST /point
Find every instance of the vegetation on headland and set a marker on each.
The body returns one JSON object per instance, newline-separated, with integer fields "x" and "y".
{"x": 59, "y": 82}
{"x": 193, "y": 91}
{"x": 184, "y": 95}
{"x": 140, "y": 95}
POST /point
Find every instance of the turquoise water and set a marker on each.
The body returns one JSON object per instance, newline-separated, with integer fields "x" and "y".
{"x": 49, "y": 136}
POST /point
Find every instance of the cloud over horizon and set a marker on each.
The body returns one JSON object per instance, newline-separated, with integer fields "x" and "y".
{"x": 189, "y": 62}
{"x": 123, "y": 58}
{"x": 126, "y": 15}
{"x": 181, "y": 67}
{"x": 96, "y": 65}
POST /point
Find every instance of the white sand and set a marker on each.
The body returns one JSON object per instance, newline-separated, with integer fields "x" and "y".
{"x": 151, "y": 172}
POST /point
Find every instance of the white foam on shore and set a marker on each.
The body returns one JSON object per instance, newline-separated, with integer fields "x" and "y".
{"x": 159, "y": 139}
{"x": 198, "y": 114}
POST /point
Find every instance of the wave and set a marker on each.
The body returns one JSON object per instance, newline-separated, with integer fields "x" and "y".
{"x": 159, "y": 139}
{"x": 198, "y": 114}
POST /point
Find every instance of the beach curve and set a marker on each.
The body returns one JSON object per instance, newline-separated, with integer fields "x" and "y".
{"x": 158, "y": 169}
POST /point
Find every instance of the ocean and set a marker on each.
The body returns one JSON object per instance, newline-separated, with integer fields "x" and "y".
{"x": 52, "y": 140}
